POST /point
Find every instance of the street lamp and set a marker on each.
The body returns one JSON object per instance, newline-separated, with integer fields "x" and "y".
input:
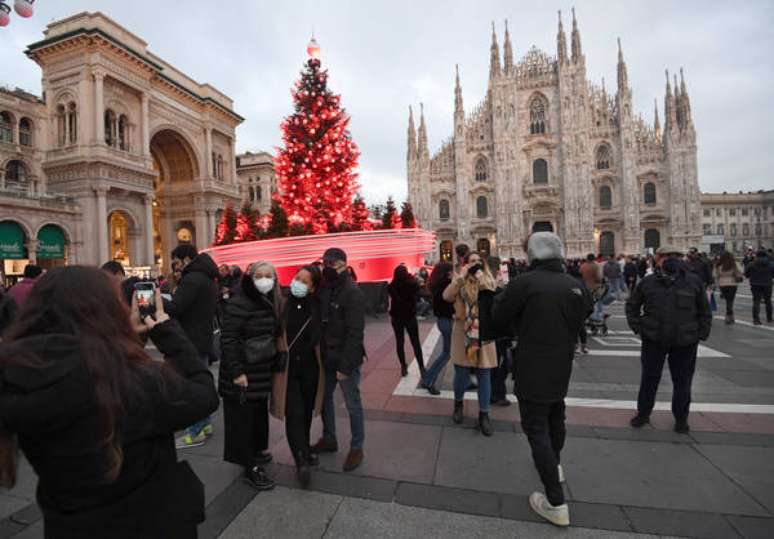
{"x": 23, "y": 8}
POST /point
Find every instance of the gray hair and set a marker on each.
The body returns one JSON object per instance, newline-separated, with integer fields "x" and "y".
{"x": 545, "y": 246}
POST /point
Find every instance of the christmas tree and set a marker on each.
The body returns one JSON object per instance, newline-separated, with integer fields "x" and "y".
{"x": 278, "y": 226}
{"x": 360, "y": 215}
{"x": 407, "y": 219}
{"x": 390, "y": 217}
{"x": 226, "y": 231}
{"x": 248, "y": 224}
{"x": 315, "y": 167}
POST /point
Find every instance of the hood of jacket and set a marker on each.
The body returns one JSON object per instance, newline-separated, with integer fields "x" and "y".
{"x": 203, "y": 263}
{"x": 50, "y": 391}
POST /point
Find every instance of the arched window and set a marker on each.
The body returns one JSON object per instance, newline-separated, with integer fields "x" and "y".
{"x": 250, "y": 194}
{"x": 605, "y": 197}
{"x": 61, "y": 125}
{"x": 220, "y": 167}
{"x": 484, "y": 247}
{"x": 537, "y": 115}
{"x": 481, "y": 170}
{"x": 482, "y": 207}
{"x": 123, "y": 132}
{"x": 607, "y": 243}
{"x": 649, "y": 193}
{"x": 258, "y": 192}
{"x": 652, "y": 239}
{"x": 72, "y": 118}
{"x": 540, "y": 171}
{"x": 6, "y": 127}
{"x": 16, "y": 177}
{"x": 110, "y": 124}
{"x": 443, "y": 210}
{"x": 603, "y": 157}
{"x": 214, "y": 164}
{"x": 25, "y": 132}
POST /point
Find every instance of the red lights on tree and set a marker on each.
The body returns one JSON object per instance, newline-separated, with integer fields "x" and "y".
{"x": 407, "y": 219}
{"x": 390, "y": 217}
{"x": 315, "y": 168}
{"x": 226, "y": 231}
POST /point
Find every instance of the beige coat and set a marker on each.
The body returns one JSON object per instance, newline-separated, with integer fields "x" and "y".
{"x": 279, "y": 385}
{"x": 487, "y": 358}
{"x": 727, "y": 277}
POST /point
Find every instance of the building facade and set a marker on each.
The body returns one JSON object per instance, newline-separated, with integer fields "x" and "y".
{"x": 548, "y": 150}
{"x": 257, "y": 183}
{"x": 737, "y": 221}
{"x": 124, "y": 154}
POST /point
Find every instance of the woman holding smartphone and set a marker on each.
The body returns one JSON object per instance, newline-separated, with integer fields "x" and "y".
{"x": 250, "y": 342}
{"x": 95, "y": 416}
{"x": 468, "y": 351}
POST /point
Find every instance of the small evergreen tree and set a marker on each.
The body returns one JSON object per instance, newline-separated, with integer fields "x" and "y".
{"x": 407, "y": 219}
{"x": 246, "y": 223}
{"x": 390, "y": 217}
{"x": 360, "y": 215}
{"x": 226, "y": 231}
{"x": 278, "y": 227}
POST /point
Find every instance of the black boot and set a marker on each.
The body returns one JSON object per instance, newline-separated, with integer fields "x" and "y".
{"x": 258, "y": 478}
{"x": 457, "y": 416}
{"x": 403, "y": 370}
{"x": 484, "y": 424}
{"x": 303, "y": 471}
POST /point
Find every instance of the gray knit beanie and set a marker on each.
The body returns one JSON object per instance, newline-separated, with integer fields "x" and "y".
{"x": 544, "y": 246}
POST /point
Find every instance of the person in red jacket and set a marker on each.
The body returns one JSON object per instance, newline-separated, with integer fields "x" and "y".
{"x": 21, "y": 290}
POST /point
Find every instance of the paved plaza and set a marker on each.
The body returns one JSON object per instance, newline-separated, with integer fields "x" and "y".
{"x": 423, "y": 476}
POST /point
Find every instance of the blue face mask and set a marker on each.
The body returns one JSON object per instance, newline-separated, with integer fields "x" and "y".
{"x": 298, "y": 289}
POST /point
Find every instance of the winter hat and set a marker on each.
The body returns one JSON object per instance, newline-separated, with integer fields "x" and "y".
{"x": 544, "y": 246}
{"x": 334, "y": 254}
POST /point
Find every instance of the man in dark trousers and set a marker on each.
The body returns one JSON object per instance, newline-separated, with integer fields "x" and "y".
{"x": 547, "y": 308}
{"x": 670, "y": 312}
{"x": 193, "y": 306}
{"x": 342, "y": 310}
{"x": 760, "y": 272}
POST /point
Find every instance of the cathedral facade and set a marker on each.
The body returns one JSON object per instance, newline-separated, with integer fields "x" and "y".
{"x": 548, "y": 150}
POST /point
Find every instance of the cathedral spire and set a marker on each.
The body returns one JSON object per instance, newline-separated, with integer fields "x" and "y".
{"x": 412, "y": 137}
{"x": 422, "y": 150}
{"x": 576, "y": 42}
{"x": 458, "y": 106}
{"x": 561, "y": 42}
{"x": 623, "y": 78}
{"x": 670, "y": 115}
{"x": 494, "y": 57}
{"x": 684, "y": 100}
{"x": 507, "y": 51}
{"x": 656, "y": 122}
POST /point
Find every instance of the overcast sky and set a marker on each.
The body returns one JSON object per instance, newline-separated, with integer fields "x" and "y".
{"x": 384, "y": 55}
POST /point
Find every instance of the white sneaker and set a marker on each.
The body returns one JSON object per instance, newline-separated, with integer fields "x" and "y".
{"x": 561, "y": 473}
{"x": 558, "y": 516}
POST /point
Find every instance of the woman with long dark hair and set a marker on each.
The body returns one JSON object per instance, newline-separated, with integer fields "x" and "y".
{"x": 440, "y": 278}
{"x": 251, "y": 338}
{"x": 468, "y": 350}
{"x": 403, "y": 290}
{"x": 95, "y": 416}
{"x": 728, "y": 276}
{"x": 300, "y": 397}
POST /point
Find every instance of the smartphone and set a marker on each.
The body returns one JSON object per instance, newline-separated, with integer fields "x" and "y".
{"x": 145, "y": 292}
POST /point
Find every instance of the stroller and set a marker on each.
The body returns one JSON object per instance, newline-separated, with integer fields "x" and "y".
{"x": 600, "y": 297}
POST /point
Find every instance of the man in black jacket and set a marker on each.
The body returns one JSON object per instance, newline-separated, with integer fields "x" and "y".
{"x": 760, "y": 272}
{"x": 670, "y": 312}
{"x": 342, "y": 310}
{"x": 193, "y": 305}
{"x": 547, "y": 308}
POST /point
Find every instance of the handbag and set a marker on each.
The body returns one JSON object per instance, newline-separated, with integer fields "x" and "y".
{"x": 216, "y": 350}
{"x": 261, "y": 349}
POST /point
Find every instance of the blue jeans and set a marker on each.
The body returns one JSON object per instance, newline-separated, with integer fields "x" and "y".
{"x": 462, "y": 381}
{"x": 599, "y": 307}
{"x": 350, "y": 388}
{"x": 431, "y": 374}
{"x": 197, "y": 427}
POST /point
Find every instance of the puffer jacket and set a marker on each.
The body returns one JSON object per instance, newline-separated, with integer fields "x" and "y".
{"x": 249, "y": 315}
{"x": 727, "y": 277}
{"x": 343, "y": 317}
{"x": 672, "y": 310}
{"x": 760, "y": 271}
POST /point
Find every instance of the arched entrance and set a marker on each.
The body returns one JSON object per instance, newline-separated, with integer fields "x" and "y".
{"x": 542, "y": 226}
{"x": 483, "y": 246}
{"x": 120, "y": 229}
{"x": 607, "y": 243}
{"x": 446, "y": 250}
{"x": 652, "y": 239}
{"x": 13, "y": 250}
{"x": 175, "y": 163}
{"x": 52, "y": 250}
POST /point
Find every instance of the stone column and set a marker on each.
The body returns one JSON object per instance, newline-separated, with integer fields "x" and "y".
{"x": 102, "y": 225}
{"x": 99, "y": 113}
{"x": 148, "y": 239}
{"x": 210, "y": 225}
{"x": 232, "y": 162}
{"x": 208, "y": 151}
{"x": 32, "y": 251}
{"x": 202, "y": 235}
{"x": 145, "y": 124}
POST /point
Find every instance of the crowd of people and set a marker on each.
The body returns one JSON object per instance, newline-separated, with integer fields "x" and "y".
{"x": 97, "y": 417}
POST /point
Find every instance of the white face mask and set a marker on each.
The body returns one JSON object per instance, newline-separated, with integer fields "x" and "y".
{"x": 264, "y": 284}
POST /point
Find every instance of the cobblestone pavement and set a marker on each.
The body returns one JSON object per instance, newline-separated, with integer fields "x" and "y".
{"x": 424, "y": 476}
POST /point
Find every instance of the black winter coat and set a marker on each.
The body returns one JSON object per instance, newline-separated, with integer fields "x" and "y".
{"x": 441, "y": 307}
{"x": 547, "y": 308}
{"x": 760, "y": 271}
{"x": 52, "y": 410}
{"x": 249, "y": 315}
{"x": 343, "y": 316}
{"x": 195, "y": 300}
{"x": 630, "y": 270}
{"x": 671, "y": 310}
{"x": 701, "y": 269}
{"x": 403, "y": 298}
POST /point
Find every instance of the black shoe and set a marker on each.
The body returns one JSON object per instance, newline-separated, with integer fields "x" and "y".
{"x": 484, "y": 424}
{"x": 304, "y": 473}
{"x": 757, "y": 322}
{"x": 639, "y": 421}
{"x": 433, "y": 390}
{"x": 258, "y": 478}
{"x": 264, "y": 457}
{"x": 312, "y": 459}
{"x": 681, "y": 426}
{"x": 403, "y": 371}
{"x": 457, "y": 415}
{"x": 501, "y": 402}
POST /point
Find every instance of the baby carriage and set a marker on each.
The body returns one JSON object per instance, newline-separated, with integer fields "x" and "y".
{"x": 596, "y": 324}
